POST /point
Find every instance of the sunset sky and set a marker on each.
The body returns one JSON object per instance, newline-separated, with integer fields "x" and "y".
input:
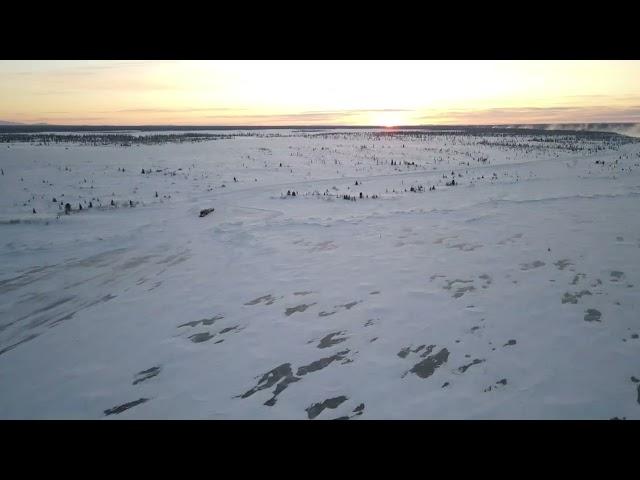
{"x": 318, "y": 92}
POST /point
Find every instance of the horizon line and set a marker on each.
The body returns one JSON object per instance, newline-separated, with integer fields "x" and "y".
{"x": 266, "y": 126}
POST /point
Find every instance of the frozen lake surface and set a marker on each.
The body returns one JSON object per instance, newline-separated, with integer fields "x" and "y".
{"x": 367, "y": 295}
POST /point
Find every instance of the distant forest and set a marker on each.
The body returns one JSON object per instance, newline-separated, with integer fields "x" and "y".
{"x": 129, "y": 136}
{"x": 591, "y": 127}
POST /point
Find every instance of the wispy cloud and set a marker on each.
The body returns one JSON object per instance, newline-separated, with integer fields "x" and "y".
{"x": 79, "y": 68}
{"x": 53, "y": 78}
{"x": 328, "y": 117}
{"x": 66, "y": 120}
{"x": 537, "y": 115}
{"x": 176, "y": 110}
{"x": 284, "y": 119}
{"x": 356, "y": 111}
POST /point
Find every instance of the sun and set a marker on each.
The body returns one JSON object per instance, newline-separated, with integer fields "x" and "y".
{"x": 388, "y": 119}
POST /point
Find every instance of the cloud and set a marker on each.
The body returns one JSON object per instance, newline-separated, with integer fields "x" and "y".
{"x": 357, "y": 110}
{"x": 176, "y": 110}
{"x": 302, "y": 118}
{"x": 561, "y": 114}
{"x": 80, "y": 68}
{"x": 284, "y": 119}
{"x": 327, "y": 117}
{"x": 66, "y": 120}
{"x": 80, "y": 77}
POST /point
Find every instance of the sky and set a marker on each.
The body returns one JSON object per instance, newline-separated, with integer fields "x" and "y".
{"x": 267, "y": 92}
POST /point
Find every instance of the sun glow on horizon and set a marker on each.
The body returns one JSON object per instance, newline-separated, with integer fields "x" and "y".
{"x": 389, "y": 119}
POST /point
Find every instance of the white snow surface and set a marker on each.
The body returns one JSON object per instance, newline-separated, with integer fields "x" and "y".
{"x": 445, "y": 304}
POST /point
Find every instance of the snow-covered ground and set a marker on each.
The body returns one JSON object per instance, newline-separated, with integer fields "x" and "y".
{"x": 513, "y": 294}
